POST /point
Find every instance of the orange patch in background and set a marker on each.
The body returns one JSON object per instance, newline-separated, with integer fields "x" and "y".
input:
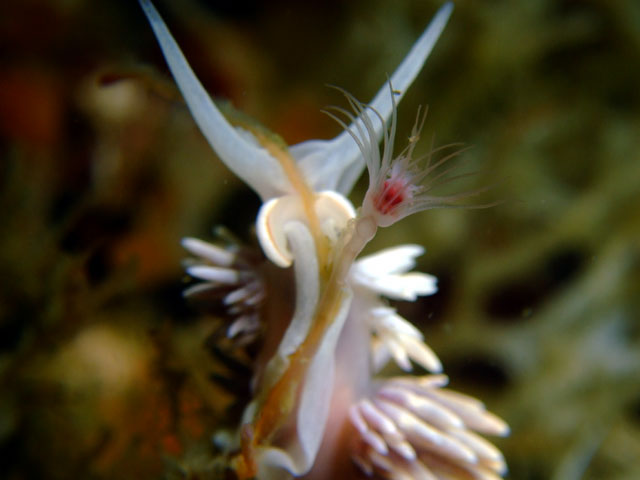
{"x": 171, "y": 444}
{"x": 31, "y": 107}
{"x": 299, "y": 119}
{"x": 191, "y": 408}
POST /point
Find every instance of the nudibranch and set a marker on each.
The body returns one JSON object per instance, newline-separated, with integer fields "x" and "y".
{"x": 316, "y": 400}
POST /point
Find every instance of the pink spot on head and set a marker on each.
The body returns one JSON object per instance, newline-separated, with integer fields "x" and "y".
{"x": 393, "y": 193}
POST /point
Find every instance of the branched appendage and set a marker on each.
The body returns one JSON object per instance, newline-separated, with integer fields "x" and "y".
{"x": 401, "y": 185}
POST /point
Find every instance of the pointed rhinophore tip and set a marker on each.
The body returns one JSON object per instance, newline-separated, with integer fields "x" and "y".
{"x": 446, "y": 10}
{"x": 237, "y": 150}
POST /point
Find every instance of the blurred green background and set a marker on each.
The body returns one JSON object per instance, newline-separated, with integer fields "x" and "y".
{"x": 103, "y": 368}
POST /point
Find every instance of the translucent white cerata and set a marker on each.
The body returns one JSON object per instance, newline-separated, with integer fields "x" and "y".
{"x": 317, "y": 407}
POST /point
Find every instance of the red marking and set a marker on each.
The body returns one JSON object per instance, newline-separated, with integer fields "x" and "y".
{"x": 393, "y": 193}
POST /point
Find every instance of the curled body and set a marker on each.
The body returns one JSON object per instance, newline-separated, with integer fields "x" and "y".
{"x": 318, "y": 406}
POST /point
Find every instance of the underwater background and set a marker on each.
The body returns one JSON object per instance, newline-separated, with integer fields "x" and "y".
{"x": 106, "y": 371}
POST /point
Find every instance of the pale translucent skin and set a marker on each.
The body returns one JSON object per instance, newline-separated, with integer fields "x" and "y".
{"x": 317, "y": 362}
{"x": 352, "y": 382}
